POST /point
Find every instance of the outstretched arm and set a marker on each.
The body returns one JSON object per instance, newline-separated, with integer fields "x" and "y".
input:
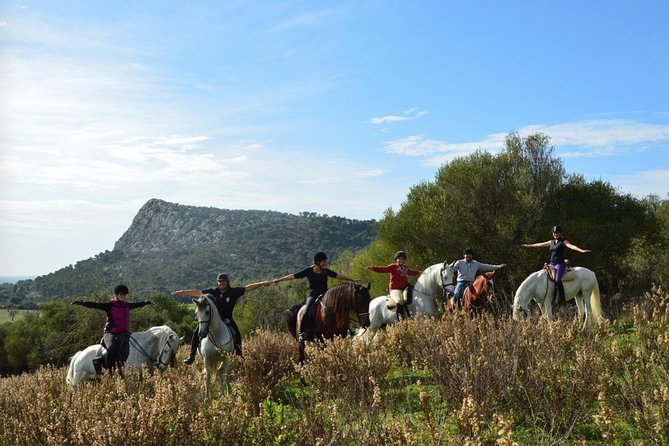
{"x": 570, "y": 245}
{"x": 253, "y": 286}
{"x": 194, "y": 293}
{"x": 343, "y": 277}
{"x": 545, "y": 244}
{"x": 284, "y": 278}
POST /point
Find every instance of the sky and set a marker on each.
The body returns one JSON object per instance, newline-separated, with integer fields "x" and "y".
{"x": 334, "y": 107}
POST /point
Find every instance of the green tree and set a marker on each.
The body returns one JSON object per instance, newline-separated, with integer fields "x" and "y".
{"x": 493, "y": 203}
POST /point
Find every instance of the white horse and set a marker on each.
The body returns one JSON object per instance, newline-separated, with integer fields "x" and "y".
{"x": 579, "y": 283}
{"x": 430, "y": 285}
{"x": 155, "y": 347}
{"x": 217, "y": 342}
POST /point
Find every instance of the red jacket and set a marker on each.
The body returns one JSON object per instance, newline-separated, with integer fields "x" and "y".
{"x": 399, "y": 275}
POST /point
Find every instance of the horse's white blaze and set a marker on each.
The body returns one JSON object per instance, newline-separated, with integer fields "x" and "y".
{"x": 580, "y": 284}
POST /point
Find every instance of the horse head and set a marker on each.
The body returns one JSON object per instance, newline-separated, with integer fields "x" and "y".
{"x": 168, "y": 353}
{"x": 362, "y": 299}
{"x": 203, "y": 314}
{"x": 488, "y": 287}
{"x": 447, "y": 276}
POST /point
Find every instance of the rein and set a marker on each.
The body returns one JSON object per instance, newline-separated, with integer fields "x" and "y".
{"x": 155, "y": 362}
{"x": 209, "y": 336}
{"x": 489, "y": 296}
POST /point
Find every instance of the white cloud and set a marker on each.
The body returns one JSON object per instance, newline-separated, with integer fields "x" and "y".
{"x": 592, "y": 139}
{"x": 408, "y": 115}
{"x": 600, "y": 137}
{"x": 438, "y": 152}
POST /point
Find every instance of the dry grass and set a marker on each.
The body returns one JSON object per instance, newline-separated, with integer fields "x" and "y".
{"x": 435, "y": 382}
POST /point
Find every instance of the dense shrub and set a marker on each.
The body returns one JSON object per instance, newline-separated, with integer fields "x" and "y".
{"x": 488, "y": 381}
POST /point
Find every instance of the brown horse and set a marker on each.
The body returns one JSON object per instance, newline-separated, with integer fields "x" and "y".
{"x": 479, "y": 294}
{"x": 333, "y": 313}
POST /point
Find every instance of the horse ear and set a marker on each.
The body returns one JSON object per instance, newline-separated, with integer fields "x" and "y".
{"x": 369, "y": 286}
{"x": 194, "y": 301}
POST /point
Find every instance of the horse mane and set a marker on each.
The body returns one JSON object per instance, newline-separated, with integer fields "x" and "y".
{"x": 340, "y": 298}
{"x": 212, "y": 305}
{"x": 426, "y": 276}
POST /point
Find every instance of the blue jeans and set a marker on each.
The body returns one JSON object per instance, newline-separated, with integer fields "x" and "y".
{"x": 460, "y": 288}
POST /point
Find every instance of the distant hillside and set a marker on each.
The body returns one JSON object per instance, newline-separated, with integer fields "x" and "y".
{"x": 170, "y": 246}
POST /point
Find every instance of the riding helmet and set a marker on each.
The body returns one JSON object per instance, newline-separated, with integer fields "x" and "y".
{"x": 121, "y": 289}
{"x": 319, "y": 257}
{"x": 400, "y": 254}
{"x": 468, "y": 251}
{"x": 557, "y": 228}
{"x": 223, "y": 277}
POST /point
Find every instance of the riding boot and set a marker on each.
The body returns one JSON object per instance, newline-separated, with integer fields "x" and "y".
{"x": 400, "y": 312}
{"x": 194, "y": 343}
{"x": 97, "y": 364}
{"x": 560, "y": 294}
{"x": 304, "y": 325}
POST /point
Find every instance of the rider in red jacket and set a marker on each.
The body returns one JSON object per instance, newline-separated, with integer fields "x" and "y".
{"x": 399, "y": 280}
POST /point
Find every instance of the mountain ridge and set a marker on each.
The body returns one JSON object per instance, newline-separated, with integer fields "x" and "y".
{"x": 170, "y": 246}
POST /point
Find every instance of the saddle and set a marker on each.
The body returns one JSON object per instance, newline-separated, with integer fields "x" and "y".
{"x": 407, "y": 297}
{"x": 314, "y": 312}
{"x": 550, "y": 272}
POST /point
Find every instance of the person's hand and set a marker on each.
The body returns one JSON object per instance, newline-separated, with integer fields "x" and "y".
{"x": 76, "y": 302}
{"x": 148, "y": 302}
{"x": 369, "y": 268}
{"x": 503, "y": 265}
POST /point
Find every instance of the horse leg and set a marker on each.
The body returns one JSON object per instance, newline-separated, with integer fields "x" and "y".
{"x": 548, "y": 308}
{"x": 585, "y": 297}
{"x": 224, "y": 375}
{"x": 580, "y": 306}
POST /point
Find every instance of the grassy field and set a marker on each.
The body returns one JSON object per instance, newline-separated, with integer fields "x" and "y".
{"x": 453, "y": 381}
{"x": 6, "y": 315}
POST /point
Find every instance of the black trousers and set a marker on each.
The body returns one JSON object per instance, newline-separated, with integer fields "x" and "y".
{"x": 306, "y": 320}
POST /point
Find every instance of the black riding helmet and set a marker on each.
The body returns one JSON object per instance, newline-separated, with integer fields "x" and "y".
{"x": 400, "y": 254}
{"x": 468, "y": 251}
{"x": 319, "y": 257}
{"x": 557, "y": 228}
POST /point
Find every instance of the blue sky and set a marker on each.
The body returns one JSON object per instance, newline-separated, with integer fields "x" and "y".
{"x": 329, "y": 107}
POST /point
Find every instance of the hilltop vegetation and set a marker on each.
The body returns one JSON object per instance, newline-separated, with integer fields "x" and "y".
{"x": 170, "y": 246}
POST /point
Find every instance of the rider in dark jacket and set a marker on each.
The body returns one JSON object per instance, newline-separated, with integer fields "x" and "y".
{"x": 317, "y": 276}
{"x": 116, "y": 335}
{"x": 225, "y": 298}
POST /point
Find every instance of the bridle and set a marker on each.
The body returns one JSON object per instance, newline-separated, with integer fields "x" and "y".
{"x": 489, "y": 295}
{"x": 206, "y": 302}
{"x": 361, "y": 313}
{"x": 158, "y": 362}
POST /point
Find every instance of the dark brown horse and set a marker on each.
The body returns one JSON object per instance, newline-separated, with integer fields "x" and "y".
{"x": 333, "y": 313}
{"x": 479, "y": 294}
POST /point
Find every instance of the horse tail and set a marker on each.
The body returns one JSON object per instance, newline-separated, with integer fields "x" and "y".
{"x": 70, "y": 369}
{"x": 595, "y": 304}
{"x": 290, "y": 315}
